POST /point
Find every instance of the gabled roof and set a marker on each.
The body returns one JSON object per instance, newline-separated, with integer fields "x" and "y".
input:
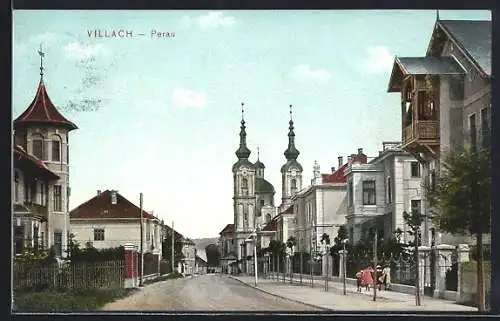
{"x": 42, "y": 111}
{"x": 228, "y": 229}
{"x": 100, "y": 206}
{"x": 288, "y": 210}
{"x": 473, "y": 37}
{"x": 21, "y": 155}
{"x": 404, "y": 66}
{"x": 336, "y": 177}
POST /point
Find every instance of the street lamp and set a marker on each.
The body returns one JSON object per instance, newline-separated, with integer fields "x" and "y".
{"x": 344, "y": 264}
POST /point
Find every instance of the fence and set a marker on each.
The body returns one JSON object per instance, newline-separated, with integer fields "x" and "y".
{"x": 80, "y": 275}
{"x": 151, "y": 263}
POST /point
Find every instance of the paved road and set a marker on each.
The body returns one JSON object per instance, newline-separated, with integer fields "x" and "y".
{"x": 204, "y": 292}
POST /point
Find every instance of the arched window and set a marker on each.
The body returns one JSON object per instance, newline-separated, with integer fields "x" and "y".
{"x": 37, "y": 146}
{"x": 293, "y": 186}
{"x": 56, "y": 148}
{"x": 244, "y": 183}
{"x": 268, "y": 218}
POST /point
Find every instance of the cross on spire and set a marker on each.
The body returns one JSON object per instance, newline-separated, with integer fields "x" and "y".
{"x": 291, "y": 112}
{"x": 42, "y": 55}
{"x": 258, "y": 152}
{"x": 242, "y": 112}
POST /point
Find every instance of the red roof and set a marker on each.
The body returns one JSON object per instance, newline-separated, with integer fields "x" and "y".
{"x": 20, "y": 153}
{"x": 43, "y": 111}
{"x": 228, "y": 229}
{"x": 100, "y": 206}
{"x": 339, "y": 175}
{"x": 271, "y": 226}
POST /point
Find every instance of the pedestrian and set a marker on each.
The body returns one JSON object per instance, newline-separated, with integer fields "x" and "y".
{"x": 387, "y": 276}
{"x": 367, "y": 277}
{"x": 359, "y": 280}
{"x": 378, "y": 274}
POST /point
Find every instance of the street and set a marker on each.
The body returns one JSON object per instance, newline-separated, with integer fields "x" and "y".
{"x": 204, "y": 293}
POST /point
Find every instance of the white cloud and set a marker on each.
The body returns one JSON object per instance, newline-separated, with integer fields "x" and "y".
{"x": 183, "y": 97}
{"x": 210, "y": 20}
{"x": 305, "y": 73}
{"x": 76, "y": 50}
{"x": 44, "y": 38}
{"x": 379, "y": 59}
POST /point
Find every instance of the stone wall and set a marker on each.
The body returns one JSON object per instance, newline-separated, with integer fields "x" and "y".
{"x": 469, "y": 279}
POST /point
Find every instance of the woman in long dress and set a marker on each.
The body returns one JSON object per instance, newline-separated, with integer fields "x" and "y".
{"x": 367, "y": 278}
{"x": 387, "y": 276}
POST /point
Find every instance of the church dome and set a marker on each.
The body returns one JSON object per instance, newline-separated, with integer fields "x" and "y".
{"x": 263, "y": 186}
{"x": 258, "y": 164}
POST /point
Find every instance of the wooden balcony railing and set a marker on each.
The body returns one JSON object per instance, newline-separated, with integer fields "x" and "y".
{"x": 422, "y": 130}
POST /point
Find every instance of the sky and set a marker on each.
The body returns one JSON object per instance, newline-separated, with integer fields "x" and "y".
{"x": 159, "y": 110}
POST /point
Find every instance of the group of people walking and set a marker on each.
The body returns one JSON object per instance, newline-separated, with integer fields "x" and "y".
{"x": 365, "y": 277}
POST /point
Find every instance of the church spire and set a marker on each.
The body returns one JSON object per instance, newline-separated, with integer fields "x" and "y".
{"x": 437, "y": 15}
{"x": 243, "y": 152}
{"x": 291, "y": 153}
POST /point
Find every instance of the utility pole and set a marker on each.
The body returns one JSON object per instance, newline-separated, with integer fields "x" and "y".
{"x": 417, "y": 265}
{"x": 142, "y": 242}
{"x": 301, "y": 259}
{"x": 375, "y": 258}
{"x": 311, "y": 263}
{"x": 173, "y": 246}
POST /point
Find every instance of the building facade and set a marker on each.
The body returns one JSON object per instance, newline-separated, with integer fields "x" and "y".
{"x": 109, "y": 220}
{"x": 380, "y": 191}
{"x": 41, "y": 134}
{"x": 445, "y": 99}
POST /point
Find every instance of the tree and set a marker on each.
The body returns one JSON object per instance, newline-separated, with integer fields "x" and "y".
{"x": 291, "y": 242}
{"x": 213, "y": 255}
{"x": 167, "y": 246}
{"x": 325, "y": 238}
{"x": 460, "y": 201}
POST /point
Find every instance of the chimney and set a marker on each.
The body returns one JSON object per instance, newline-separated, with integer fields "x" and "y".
{"x": 333, "y": 170}
{"x": 98, "y": 192}
{"x": 113, "y": 197}
{"x": 341, "y": 161}
{"x": 360, "y": 151}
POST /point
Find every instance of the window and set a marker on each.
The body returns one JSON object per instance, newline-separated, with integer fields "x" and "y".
{"x": 473, "y": 131}
{"x": 16, "y": 186}
{"x": 98, "y": 234}
{"x": 369, "y": 192}
{"x": 42, "y": 239}
{"x": 19, "y": 239}
{"x": 148, "y": 231}
{"x": 433, "y": 180}
{"x": 35, "y": 237}
{"x": 268, "y": 218}
{"x": 43, "y": 195}
{"x": 415, "y": 206}
{"x": 293, "y": 185}
{"x": 350, "y": 193}
{"x": 244, "y": 183}
{"x": 57, "y": 198}
{"x": 37, "y": 148}
{"x": 415, "y": 169}
{"x": 389, "y": 191}
{"x": 261, "y": 202}
{"x": 33, "y": 191}
{"x": 485, "y": 127}
{"x": 58, "y": 243}
{"x": 56, "y": 150}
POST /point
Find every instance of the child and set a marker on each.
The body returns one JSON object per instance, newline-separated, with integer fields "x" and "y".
{"x": 358, "y": 280}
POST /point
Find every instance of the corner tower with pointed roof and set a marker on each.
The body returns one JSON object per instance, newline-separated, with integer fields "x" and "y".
{"x": 42, "y": 131}
{"x": 291, "y": 171}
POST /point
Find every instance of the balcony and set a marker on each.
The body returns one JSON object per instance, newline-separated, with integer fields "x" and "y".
{"x": 422, "y": 132}
{"x": 31, "y": 209}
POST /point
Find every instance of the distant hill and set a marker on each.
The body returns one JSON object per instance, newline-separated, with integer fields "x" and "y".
{"x": 202, "y": 243}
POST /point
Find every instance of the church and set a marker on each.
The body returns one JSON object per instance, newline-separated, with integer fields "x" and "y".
{"x": 253, "y": 196}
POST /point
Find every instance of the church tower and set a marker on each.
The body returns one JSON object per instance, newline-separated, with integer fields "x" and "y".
{"x": 244, "y": 184}
{"x": 44, "y": 133}
{"x": 291, "y": 171}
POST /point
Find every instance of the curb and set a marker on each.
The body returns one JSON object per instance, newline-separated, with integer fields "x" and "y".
{"x": 280, "y": 296}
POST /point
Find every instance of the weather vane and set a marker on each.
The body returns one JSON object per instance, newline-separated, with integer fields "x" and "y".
{"x": 42, "y": 55}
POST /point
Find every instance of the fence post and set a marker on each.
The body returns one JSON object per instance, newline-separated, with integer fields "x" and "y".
{"x": 462, "y": 257}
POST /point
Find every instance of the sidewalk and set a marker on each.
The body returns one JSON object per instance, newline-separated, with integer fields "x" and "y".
{"x": 353, "y": 301}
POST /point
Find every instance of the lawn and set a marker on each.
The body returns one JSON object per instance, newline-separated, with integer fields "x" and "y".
{"x": 66, "y": 300}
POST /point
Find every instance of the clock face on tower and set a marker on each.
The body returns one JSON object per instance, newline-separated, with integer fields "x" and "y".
{"x": 244, "y": 171}
{"x": 294, "y": 172}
